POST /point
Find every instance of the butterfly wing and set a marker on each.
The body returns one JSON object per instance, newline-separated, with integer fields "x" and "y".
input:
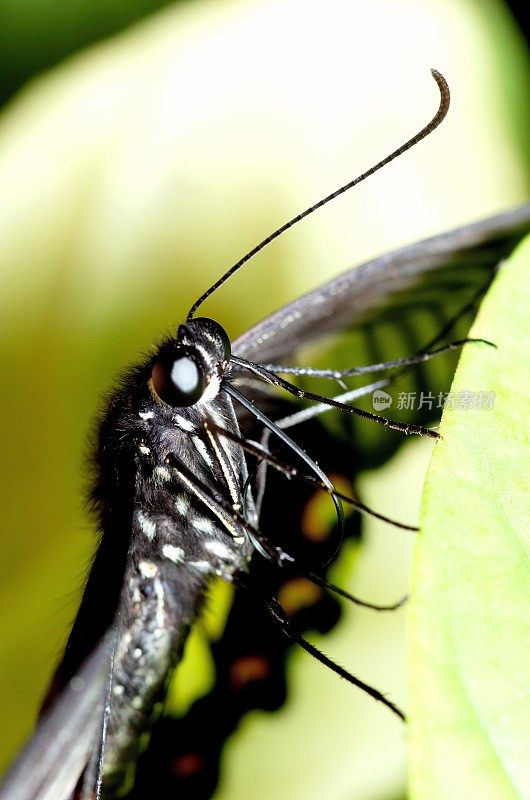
{"x": 393, "y": 306}
{"x": 444, "y": 270}
{"x": 49, "y": 767}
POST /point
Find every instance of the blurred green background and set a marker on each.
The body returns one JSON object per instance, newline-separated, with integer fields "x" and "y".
{"x": 131, "y": 174}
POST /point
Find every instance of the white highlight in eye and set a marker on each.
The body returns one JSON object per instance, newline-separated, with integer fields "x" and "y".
{"x": 219, "y": 549}
{"x": 203, "y": 525}
{"x": 147, "y": 526}
{"x": 146, "y": 414}
{"x": 162, "y": 473}
{"x": 185, "y": 374}
{"x": 175, "y": 554}
{"x": 137, "y": 653}
{"x": 147, "y": 569}
{"x": 182, "y": 504}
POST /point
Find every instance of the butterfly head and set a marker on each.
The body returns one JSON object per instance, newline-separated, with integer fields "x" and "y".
{"x": 190, "y": 368}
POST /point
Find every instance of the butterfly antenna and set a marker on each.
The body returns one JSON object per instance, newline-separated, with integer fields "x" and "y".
{"x": 277, "y": 613}
{"x": 425, "y": 131}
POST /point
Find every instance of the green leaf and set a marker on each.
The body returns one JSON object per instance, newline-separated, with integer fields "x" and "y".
{"x": 470, "y": 616}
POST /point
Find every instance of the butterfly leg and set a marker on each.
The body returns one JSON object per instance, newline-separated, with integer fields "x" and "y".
{"x": 278, "y": 614}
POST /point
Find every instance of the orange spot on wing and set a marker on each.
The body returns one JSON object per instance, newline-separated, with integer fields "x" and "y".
{"x": 319, "y": 517}
{"x": 247, "y": 669}
{"x": 187, "y": 765}
{"x": 298, "y": 593}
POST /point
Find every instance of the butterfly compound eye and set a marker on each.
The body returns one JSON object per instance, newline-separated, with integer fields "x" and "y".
{"x": 178, "y": 381}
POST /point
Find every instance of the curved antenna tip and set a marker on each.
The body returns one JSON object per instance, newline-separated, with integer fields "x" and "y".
{"x": 443, "y": 86}
{"x": 425, "y": 131}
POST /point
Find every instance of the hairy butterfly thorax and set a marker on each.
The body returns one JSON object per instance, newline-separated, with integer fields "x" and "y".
{"x": 160, "y": 470}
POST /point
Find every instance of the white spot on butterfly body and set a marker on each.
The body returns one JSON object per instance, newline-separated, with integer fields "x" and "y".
{"x": 147, "y": 526}
{"x": 144, "y": 449}
{"x": 175, "y": 554}
{"x": 219, "y": 549}
{"x": 203, "y": 525}
{"x": 118, "y": 690}
{"x": 182, "y": 504}
{"x": 202, "y": 566}
{"x": 184, "y": 424}
{"x": 147, "y": 569}
{"x": 146, "y": 414}
{"x": 162, "y": 473}
{"x": 160, "y": 617}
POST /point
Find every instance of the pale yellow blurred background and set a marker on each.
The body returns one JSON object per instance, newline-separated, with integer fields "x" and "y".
{"x": 131, "y": 175}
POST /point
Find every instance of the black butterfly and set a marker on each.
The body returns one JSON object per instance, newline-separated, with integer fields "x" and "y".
{"x": 180, "y": 491}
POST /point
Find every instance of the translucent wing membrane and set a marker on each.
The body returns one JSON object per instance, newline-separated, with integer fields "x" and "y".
{"x": 53, "y": 760}
{"x": 437, "y": 275}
